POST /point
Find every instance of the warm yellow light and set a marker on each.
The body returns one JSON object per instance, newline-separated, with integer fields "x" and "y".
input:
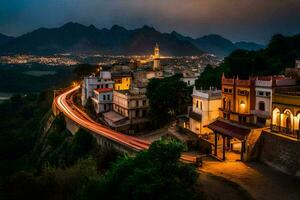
{"x": 242, "y": 104}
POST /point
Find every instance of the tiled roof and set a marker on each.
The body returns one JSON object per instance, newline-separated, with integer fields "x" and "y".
{"x": 101, "y": 90}
{"x": 229, "y": 129}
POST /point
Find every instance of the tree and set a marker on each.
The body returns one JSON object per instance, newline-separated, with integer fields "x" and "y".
{"x": 210, "y": 77}
{"x": 53, "y": 183}
{"x": 280, "y": 53}
{"x": 168, "y": 97}
{"x": 153, "y": 174}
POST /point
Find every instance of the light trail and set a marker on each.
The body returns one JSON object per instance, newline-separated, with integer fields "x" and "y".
{"x": 64, "y": 103}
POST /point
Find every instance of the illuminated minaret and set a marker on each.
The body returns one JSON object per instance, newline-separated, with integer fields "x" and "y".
{"x": 156, "y": 58}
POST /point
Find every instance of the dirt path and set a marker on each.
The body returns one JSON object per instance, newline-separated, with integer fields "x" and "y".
{"x": 218, "y": 188}
{"x": 262, "y": 182}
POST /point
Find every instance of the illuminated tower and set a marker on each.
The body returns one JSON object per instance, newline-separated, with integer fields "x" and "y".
{"x": 156, "y": 58}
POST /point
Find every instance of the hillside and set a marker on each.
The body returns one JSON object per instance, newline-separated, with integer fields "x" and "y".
{"x": 77, "y": 38}
{"x": 218, "y": 45}
{"x": 4, "y": 39}
{"x": 249, "y": 46}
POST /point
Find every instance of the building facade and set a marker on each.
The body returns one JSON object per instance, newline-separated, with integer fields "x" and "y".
{"x": 238, "y": 99}
{"x": 91, "y": 83}
{"x": 131, "y": 108}
{"x": 286, "y": 111}
{"x": 264, "y": 88}
{"x": 102, "y": 99}
{"x": 205, "y": 109}
{"x": 122, "y": 80}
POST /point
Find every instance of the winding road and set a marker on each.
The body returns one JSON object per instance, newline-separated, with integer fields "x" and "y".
{"x": 66, "y": 105}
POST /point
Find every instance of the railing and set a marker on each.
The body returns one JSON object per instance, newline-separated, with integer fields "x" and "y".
{"x": 286, "y": 131}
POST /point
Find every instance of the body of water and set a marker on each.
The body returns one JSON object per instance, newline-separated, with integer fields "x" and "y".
{"x": 5, "y": 96}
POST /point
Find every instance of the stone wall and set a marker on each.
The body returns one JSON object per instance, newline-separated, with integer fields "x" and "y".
{"x": 280, "y": 152}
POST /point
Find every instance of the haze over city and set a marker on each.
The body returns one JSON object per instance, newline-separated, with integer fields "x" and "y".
{"x": 237, "y": 20}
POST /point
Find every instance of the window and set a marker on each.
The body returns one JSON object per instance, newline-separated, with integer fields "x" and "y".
{"x": 261, "y": 106}
{"x": 136, "y": 103}
{"x": 108, "y": 97}
{"x": 268, "y": 94}
{"x": 197, "y": 104}
{"x": 104, "y": 97}
{"x": 144, "y": 113}
{"x": 261, "y": 93}
{"x": 227, "y": 90}
{"x": 242, "y": 92}
{"x": 98, "y": 86}
{"x": 106, "y": 85}
{"x": 200, "y": 105}
{"x": 144, "y": 102}
{"x": 242, "y": 107}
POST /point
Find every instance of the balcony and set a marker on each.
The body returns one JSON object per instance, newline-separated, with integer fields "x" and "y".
{"x": 286, "y": 131}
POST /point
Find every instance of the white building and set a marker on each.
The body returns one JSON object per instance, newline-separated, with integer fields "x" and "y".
{"x": 102, "y": 99}
{"x": 91, "y": 83}
{"x": 264, "y": 89}
{"x": 130, "y": 110}
{"x": 189, "y": 78}
{"x": 206, "y": 104}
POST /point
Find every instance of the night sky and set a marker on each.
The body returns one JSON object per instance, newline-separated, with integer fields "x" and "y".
{"x": 250, "y": 20}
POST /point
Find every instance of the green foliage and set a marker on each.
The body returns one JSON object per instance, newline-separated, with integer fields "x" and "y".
{"x": 82, "y": 144}
{"x": 20, "y": 124}
{"x": 279, "y": 54}
{"x": 210, "y": 77}
{"x": 168, "y": 97}
{"x": 60, "y": 148}
{"x": 153, "y": 174}
{"x": 53, "y": 183}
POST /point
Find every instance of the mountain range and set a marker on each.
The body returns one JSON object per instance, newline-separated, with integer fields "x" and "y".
{"x": 80, "y": 39}
{"x": 4, "y": 39}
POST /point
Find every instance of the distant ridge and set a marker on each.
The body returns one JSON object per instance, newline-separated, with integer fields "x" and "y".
{"x": 218, "y": 45}
{"x": 79, "y": 39}
{"x": 4, "y": 39}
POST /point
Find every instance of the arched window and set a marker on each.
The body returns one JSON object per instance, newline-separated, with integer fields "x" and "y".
{"x": 261, "y": 106}
{"x": 288, "y": 122}
{"x": 288, "y": 117}
{"x": 242, "y": 106}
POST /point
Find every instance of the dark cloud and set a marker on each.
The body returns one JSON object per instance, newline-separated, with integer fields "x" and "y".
{"x": 253, "y": 20}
